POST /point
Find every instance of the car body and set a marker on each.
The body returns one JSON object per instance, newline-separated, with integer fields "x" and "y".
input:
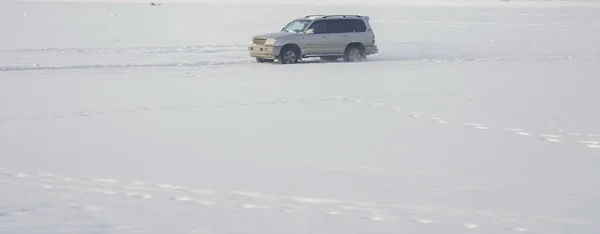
{"x": 329, "y": 37}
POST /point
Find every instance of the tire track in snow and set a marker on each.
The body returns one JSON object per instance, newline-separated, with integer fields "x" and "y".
{"x": 550, "y": 138}
{"x": 110, "y": 50}
{"x": 121, "y": 66}
{"x": 477, "y": 126}
{"x": 243, "y": 61}
{"x": 305, "y": 206}
{"x": 177, "y": 49}
{"x": 86, "y": 113}
{"x": 446, "y": 60}
{"x": 403, "y": 179}
{"x": 489, "y": 24}
{"x": 82, "y": 113}
{"x": 367, "y": 210}
{"x": 167, "y": 108}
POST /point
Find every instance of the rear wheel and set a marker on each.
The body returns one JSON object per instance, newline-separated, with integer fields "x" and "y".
{"x": 288, "y": 55}
{"x": 262, "y": 60}
{"x": 354, "y": 53}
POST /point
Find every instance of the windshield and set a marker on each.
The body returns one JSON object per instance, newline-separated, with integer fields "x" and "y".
{"x": 296, "y": 26}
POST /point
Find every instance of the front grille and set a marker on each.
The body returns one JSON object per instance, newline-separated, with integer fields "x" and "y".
{"x": 259, "y": 41}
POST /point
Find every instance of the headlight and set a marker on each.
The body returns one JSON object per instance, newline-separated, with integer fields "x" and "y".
{"x": 270, "y": 42}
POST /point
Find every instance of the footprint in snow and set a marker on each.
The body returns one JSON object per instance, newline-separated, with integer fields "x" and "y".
{"x": 43, "y": 174}
{"x": 475, "y": 125}
{"x": 169, "y": 186}
{"x": 201, "y": 191}
{"x": 137, "y": 195}
{"x": 550, "y": 136}
{"x": 289, "y": 208}
{"x": 102, "y": 180}
{"x": 471, "y": 124}
{"x": 549, "y": 139}
{"x": 253, "y": 206}
{"x": 20, "y": 175}
{"x": 416, "y": 114}
{"x": 204, "y": 203}
{"x": 425, "y": 221}
{"x": 512, "y": 129}
{"x": 470, "y": 226}
{"x": 181, "y": 199}
{"x": 375, "y": 218}
{"x": 138, "y": 183}
{"x": 439, "y": 120}
{"x": 248, "y": 206}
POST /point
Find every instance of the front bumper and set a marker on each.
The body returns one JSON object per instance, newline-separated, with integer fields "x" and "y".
{"x": 263, "y": 51}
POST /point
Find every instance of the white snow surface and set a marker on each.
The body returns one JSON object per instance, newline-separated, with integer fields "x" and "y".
{"x": 131, "y": 118}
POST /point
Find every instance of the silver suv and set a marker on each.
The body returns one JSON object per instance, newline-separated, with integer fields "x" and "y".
{"x": 329, "y": 37}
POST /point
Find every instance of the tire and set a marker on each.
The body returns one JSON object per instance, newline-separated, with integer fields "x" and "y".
{"x": 354, "y": 53}
{"x": 329, "y": 58}
{"x": 262, "y": 60}
{"x": 288, "y": 55}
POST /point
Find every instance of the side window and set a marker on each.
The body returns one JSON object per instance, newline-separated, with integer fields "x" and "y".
{"x": 336, "y": 26}
{"x": 355, "y": 25}
{"x": 319, "y": 27}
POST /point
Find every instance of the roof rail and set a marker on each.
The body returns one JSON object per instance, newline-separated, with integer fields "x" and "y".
{"x": 327, "y": 16}
{"x": 308, "y": 16}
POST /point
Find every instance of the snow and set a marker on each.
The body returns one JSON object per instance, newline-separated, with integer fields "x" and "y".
{"x": 131, "y": 118}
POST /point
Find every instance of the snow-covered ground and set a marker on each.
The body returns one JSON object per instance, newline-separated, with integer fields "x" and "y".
{"x": 128, "y": 118}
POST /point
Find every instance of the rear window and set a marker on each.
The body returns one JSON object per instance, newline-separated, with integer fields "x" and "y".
{"x": 346, "y": 26}
{"x": 356, "y": 25}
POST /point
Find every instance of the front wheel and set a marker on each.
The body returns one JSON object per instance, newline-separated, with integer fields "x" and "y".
{"x": 288, "y": 56}
{"x": 354, "y": 54}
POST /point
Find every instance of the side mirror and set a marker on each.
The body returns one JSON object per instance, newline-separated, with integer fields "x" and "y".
{"x": 310, "y": 31}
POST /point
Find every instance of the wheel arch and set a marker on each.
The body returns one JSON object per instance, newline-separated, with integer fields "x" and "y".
{"x": 356, "y": 44}
{"x": 292, "y": 46}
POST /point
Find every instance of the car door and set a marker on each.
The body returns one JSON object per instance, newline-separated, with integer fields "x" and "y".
{"x": 316, "y": 41}
{"x": 337, "y": 35}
